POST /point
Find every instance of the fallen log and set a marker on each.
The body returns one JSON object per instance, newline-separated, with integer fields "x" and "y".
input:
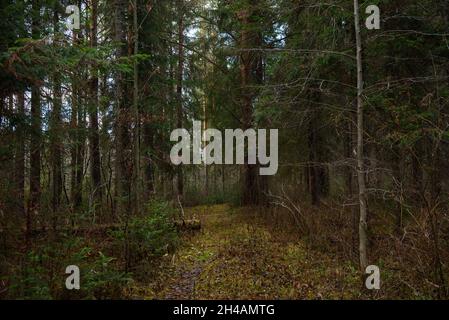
{"x": 77, "y": 230}
{"x": 180, "y": 225}
{"x": 188, "y": 225}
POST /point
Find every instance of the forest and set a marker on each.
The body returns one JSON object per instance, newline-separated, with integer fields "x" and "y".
{"x": 337, "y": 187}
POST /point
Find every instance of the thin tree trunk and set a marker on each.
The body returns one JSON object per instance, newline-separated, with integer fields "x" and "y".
{"x": 73, "y": 131}
{"x": 80, "y": 152}
{"x": 149, "y": 172}
{"x": 78, "y": 138}
{"x": 180, "y": 76}
{"x": 136, "y": 172}
{"x": 223, "y": 181}
{"x": 97, "y": 189}
{"x": 74, "y": 146}
{"x": 206, "y": 167}
{"x": 19, "y": 164}
{"x": 360, "y": 164}
{"x": 56, "y": 143}
{"x": 313, "y": 163}
{"x": 19, "y": 167}
{"x": 35, "y": 142}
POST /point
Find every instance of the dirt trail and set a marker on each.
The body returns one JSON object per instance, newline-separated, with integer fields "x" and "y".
{"x": 235, "y": 257}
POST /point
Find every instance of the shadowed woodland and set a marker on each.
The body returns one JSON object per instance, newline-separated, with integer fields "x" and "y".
{"x": 86, "y": 177}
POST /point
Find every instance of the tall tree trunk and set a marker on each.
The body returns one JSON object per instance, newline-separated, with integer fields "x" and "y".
{"x": 319, "y": 173}
{"x": 206, "y": 167}
{"x": 360, "y": 161}
{"x": 180, "y": 76}
{"x": 35, "y": 142}
{"x": 122, "y": 176}
{"x": 56, "y": 147}
{"x": 74, "y": 147}
{"x": 73, "y": 129}
{"x": 148, "y": 137}
{"x": 247, "y": 63}
{"x": 56, "y": 143}
{"x": 136, "y": 145}
{"x": 80, "y": 151}
{"x": 349, "y": 180}
{"x": 94, "y": 137}
{"x": 77, "y": 123}
{"x": 19, "y": 157}
{"x": 19, "y": 165}
{"x": 313, "y": 163}
{"x": 35, "y": 151}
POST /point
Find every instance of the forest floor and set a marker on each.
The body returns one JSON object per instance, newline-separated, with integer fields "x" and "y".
{"x": 239, "y": 256}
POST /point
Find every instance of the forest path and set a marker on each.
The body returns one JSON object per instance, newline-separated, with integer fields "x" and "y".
{"x": 235, "y": 256}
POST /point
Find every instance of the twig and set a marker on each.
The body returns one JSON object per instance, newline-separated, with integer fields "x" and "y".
{"x": 182, "y": 210}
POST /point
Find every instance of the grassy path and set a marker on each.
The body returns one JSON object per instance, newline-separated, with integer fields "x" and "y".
{"x": 236, "y": 256}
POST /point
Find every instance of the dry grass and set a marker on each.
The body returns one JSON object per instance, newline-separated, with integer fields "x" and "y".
{"x": 236, "y": 256}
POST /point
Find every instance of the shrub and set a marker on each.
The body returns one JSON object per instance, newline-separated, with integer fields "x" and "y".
{"x": 43, "y": 273}
{"x": 100, "y": 278}
{"x": 152, "y": 235}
